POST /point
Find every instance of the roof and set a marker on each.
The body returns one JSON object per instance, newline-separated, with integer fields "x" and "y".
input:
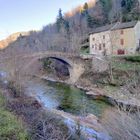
{"x": 115, "y": 26}
{"x": 125, "y": 25}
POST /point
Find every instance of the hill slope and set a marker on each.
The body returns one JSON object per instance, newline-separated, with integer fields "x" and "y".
{"x": 71, "y": 28}
{"x": 4, "y": 43}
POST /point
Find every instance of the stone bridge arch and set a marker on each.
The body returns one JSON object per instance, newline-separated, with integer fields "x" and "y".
{"x": 63, "y": 60}
{"x": 75, "y": 68}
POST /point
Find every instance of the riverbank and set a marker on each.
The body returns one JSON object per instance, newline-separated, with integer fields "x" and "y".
{"x": 114, "y": 97}
{"x": 58, "y": 124}
{"x": 39, "y": 123}
{"x": 11, "y": 127}
{"x": 92, "y": 90}
{"x": 72, "y": 105}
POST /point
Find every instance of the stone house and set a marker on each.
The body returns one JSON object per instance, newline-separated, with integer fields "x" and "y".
{"x": 117, "y": 39}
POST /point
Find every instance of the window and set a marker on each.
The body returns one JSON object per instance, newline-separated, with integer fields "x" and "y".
{"x": 103, "y": 36}
{"x": 122, "y": 42}
{"x": 100, "y": 47}
{"x": 93, "y": 39}
{"x": 104, "y": 45}
{"x": 122, "y": 32}
{"x": 92, "y": 46}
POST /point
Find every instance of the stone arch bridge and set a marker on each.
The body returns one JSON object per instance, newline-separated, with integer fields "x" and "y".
{"x": 73, "y": 61}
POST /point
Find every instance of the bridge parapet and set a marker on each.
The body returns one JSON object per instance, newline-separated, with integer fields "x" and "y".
{"x": 75, "y": 64}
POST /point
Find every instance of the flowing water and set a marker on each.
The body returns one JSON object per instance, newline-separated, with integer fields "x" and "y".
{"x": 70, "y": 99}
{"x": 54, "y": 95}
{"x": 59, "y": 96}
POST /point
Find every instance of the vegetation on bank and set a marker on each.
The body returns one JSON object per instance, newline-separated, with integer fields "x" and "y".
{"x": 121, "y": 124}
{"x": 133, "y": 58}
{"x": 85, "y": 50}
{"x": 40, "y": 124}
{"x": 126, "y": 66}
{"x": 126, "y": 63}
{"x": 11, "y": 128}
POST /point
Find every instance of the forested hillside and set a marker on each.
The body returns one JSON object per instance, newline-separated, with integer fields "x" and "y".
{"x": 11, "y": 38}
{"x": 72, "y": 27}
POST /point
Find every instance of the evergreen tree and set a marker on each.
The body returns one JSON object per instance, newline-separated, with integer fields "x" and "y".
{"x": 85, "y": 10}
{"x": 123, "y": 3}
{"x": 59, "y": 20}
{"x": 67, "y": 26}
{"x": 90, "y": 21}
{"x": 60, "y": 14}
{"x": 85, "y": 7}
{"x": 127, "y": 10}
{"x": 106, "y": 6}
{"x": 127, "y": 5}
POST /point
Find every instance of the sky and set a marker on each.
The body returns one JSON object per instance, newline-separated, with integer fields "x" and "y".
{"x": 25, "y": 15}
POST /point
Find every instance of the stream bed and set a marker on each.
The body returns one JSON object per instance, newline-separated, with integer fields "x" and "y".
{"x": 71, "y": 103}
{"x": 70, "y": 99}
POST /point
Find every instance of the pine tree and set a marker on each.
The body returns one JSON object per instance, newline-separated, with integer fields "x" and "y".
{"x": 67, "y": 26}
{"x": 127, "y": 5}
{"x": 106, "y": 6}
{"x": 127, "y": 10}
{"x": 123, "y": 3}
{"x": 90, "y": 21}
{"x": 85, "y": 10}
{"x": 60, "y": 14}
{"x": 85, "y": 7}
{"x": 59, "y": 20}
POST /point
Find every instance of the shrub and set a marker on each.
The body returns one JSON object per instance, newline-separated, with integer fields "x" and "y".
{"x": 122, "y": 125}
{"x": 10, "y": 127}
{"x": 133, "y": 58}
{"x": 15, "y": 89}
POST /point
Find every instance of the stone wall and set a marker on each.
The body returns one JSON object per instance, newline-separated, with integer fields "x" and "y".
{"x": 99, "y": 64}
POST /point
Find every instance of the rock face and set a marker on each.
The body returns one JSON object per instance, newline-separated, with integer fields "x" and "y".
{"x": 4, "y": 43}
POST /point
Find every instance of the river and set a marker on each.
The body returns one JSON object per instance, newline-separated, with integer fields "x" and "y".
{"x": 70, "y": 99}
{"x": 71, "y": 102}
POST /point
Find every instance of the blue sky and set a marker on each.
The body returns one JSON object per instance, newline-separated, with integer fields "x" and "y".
{"x": 24, "y": 15}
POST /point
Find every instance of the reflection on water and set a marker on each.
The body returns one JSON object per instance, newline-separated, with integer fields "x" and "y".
{"x": 67, "y": 98}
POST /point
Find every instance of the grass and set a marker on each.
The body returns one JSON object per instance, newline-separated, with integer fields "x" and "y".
{"x": 110, "y": 89}
{"x": 85, "y": 51}
{"x": 10, "y": 127}
{"x": 126, "y": 66}
{"x": 133, "y": 58}
{"x": 130, "y": 63}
